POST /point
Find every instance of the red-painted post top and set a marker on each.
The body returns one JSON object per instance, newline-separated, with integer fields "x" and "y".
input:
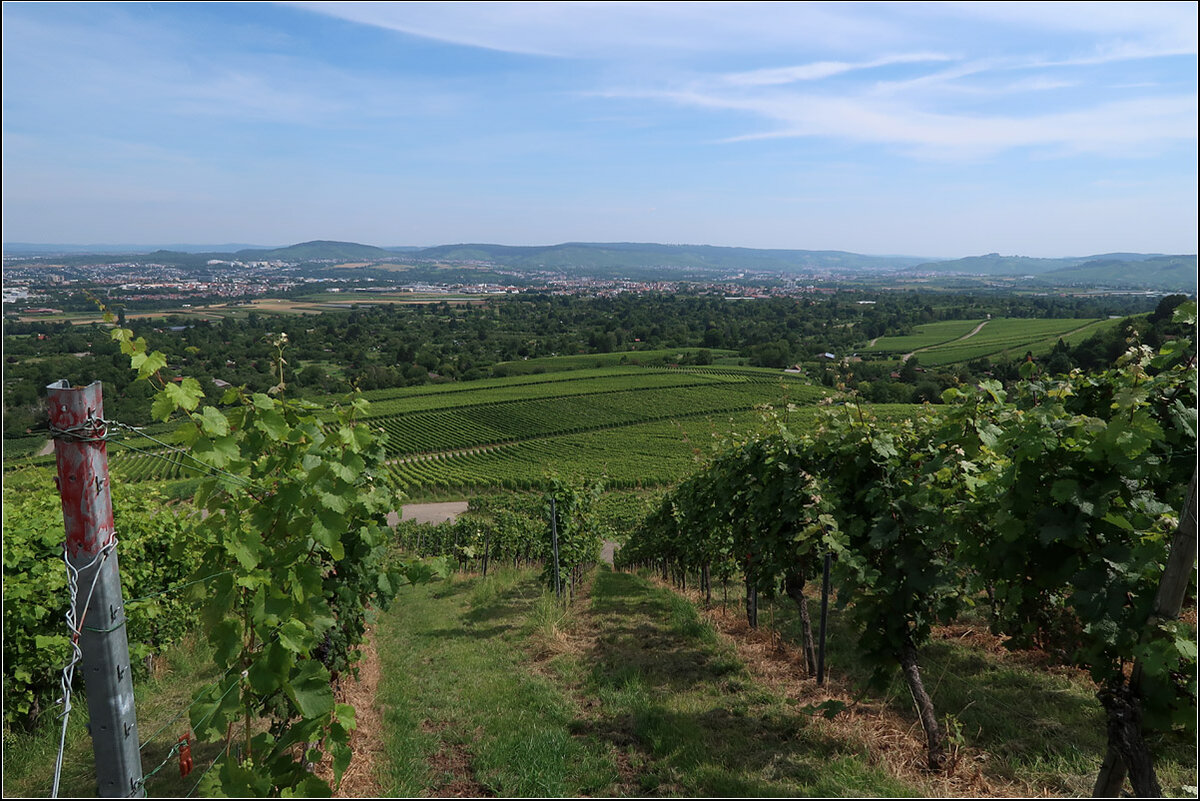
{"x": 82, "y": 466}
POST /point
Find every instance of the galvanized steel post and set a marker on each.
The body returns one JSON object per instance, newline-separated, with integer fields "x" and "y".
{"x": 81, "y": 454}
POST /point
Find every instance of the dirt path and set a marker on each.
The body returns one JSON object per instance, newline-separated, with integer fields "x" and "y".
{"x": 428, "y": 512}
{"x": 978, "y": 328}
{"x": 608, "y": 551}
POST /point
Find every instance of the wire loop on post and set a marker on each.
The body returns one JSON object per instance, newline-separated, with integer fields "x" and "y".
{"x": 68, "y": 672}
{"x": 92, "y": 429}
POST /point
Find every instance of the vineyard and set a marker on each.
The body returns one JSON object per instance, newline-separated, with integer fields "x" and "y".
{"x": 638, "y": 426}
{"x": 1057, "y": 505}
{"x": 924, "y": 516}
{"x": 952, "y": 342}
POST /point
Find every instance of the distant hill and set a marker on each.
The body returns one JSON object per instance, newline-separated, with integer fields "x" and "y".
{"x": 1111, "y": 270}
{"x": 995, "y": 264}
{"x": 1171, "y": 273}
{"x": 318, "y": 250}
{"x": 652, "y": 262}
{"x": 583, "y": 256}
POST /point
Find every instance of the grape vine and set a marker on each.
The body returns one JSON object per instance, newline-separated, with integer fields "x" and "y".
{"x": 1055, "y": 500}
{"x": 295, "y": 533}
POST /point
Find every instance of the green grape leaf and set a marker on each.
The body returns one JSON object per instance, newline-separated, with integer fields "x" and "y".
{"x": 296, "y": 637}
{"x": 309, "y": 689}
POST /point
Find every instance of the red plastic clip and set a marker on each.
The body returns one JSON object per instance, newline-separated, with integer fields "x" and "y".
{"x": 185, "y": 755}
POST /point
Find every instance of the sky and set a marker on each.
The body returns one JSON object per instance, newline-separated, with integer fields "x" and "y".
{"x": 925, "y": 129}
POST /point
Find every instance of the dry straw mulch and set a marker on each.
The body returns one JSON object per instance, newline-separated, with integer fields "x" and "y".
{"x": 893, "y": 742}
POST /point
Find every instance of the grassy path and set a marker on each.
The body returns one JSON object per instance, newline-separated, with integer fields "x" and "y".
{"x": 488, "y": 689}
{"x": 972, "y": 333}
{"x": 661, "y": 684}
{"x": 464, "y": 713}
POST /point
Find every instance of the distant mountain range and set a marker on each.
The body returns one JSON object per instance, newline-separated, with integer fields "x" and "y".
{"x": 574, "y": 256}
{"x": 647, "y": 261}
{"x": 995, "y": 264}
{"x": 1115, "y": 270}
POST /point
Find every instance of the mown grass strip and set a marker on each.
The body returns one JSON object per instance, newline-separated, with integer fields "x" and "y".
{"x": 463, "y": 711}
{"x": 490, "y": 688}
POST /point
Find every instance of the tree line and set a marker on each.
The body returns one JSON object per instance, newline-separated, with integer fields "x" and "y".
{"x": 383, "y": 346}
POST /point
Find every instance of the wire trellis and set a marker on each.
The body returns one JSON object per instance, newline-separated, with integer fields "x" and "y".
{"x": 76, "y": 629}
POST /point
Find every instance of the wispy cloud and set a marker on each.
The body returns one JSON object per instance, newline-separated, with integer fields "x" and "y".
{"x": 616, "y": 30}
{"x": 1128, "y": 128}
{"x": 535, "y": 118}
{"x": 822, "y": 69}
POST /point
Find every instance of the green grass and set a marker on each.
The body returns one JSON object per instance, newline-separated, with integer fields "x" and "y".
{"x": 630, "y": 693}
{"x": 462, "y": 707}
{"x": 942, "y": 343}
{"x": 554, "y": 363}
{"x": 1037, "y": 723}
{"x": 29, "y": 757}
{"x": 682, "y": 704}
{"x": 491, "y": 686}
{"x": 924, "y": 336}
{"x": 1007, "y": 337}
{"x": 23, "y": 447}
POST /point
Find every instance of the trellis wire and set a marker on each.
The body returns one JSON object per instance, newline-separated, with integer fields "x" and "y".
{"x": 68, "y": 672}
{"x": 176, "y": 588}
{"x": 178, "y": 745}
{"x": 96, "y": 429}
{"x": 183, "y": 711}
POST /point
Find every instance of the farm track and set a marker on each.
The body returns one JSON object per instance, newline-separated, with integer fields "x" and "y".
{"x": 1029, "y": 344}
{"x": 976, "y": 330}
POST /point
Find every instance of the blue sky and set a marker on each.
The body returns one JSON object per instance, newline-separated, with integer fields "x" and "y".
{"x": 932, "y": 129}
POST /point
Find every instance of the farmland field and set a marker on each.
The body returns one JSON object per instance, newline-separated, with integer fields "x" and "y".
{"x": 1009, "y": 336}
{"x": 936, "y": 343}
{"x": 580, "y": 361}
{"x": 637, "y": 426}
{"x": 924, "y": 336}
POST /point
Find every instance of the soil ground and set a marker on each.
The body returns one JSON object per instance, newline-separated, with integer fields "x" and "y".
{"x": 428, "y": 512}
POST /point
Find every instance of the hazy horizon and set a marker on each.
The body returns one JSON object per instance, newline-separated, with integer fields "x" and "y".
{"x": 135, "y": 248}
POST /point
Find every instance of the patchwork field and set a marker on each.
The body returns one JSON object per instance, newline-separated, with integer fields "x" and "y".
{"x": 637, "y": 426}
{"x": 924, "y": 336}
{"x": 953, "y": 341}
{"x": 311, "y": 304}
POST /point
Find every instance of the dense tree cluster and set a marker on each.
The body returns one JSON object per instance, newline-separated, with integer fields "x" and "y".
{"x": 381, "y": 346}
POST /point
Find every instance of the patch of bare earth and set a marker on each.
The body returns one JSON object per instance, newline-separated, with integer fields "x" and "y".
{"x": 366, "y": 742}
{"x": 451, "y": 766}
{"x": 894, "y": 743}
{"x": 429, "y": 512}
